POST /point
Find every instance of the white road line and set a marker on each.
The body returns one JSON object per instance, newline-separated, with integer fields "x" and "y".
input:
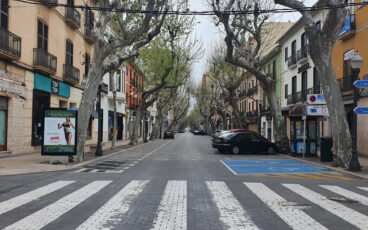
{"x": 364, "y": 188}
{"x": 156, "y": 149}
{"x": 346, "y": 193}
{"x": 126, "y": 168}
{"x": 292, "y": 215}
{"x": 25, "y": 198}
{"x": 80, "y": 170}
{"x": 114, "y": 171}
{"x": 111, "y": 213}
{"x": 349, "y": 215}
{"x": 94, "y": 171}
{"x": 231, "y": 212}
{"x": 228, "y": 167}
{"x": 172, "y": 212}
{"x": 53, "y": 211}
{"x": 131, "y": 165}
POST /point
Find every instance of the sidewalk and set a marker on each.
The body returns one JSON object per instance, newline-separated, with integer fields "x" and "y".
{"x": 316, "y": 161}
{"x": 13, "y": 164}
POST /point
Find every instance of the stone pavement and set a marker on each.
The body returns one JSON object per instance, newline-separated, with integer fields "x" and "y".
{"x": 12, "y": 164}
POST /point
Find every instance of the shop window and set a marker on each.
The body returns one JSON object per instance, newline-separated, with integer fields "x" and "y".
{"x": 73, "y": 105}
{"x": 63, "y": 104}
{"x": 42, "y": 35}
{"x": 4, "y": 18}
{"x": 41, "y": 101}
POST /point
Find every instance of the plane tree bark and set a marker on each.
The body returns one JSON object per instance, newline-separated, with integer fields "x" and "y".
{"x": 323, "y": 40}
{"x": 243, "y": 41}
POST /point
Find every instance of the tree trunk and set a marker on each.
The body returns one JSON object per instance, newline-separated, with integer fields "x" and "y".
{"x": 89, "y": 95}
{"x": 136, "y": 124}
{"x": 235, "y": 112}
{"x": 114, "y": 101}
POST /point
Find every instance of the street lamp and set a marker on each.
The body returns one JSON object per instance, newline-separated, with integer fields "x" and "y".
{"x": 356, "y": 64}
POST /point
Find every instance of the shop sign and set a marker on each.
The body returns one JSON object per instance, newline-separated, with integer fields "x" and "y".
{"x": 316, "y": 99}
{"x": 303, "y": 67}
{"x": 60, "y": 132}
{"x": 54, "y": 87}
{"x": 348, "y": 55}
{"x": 317, "y": 110}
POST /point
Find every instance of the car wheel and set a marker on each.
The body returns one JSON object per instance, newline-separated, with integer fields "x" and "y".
{"x": 235, "y": 150}
{"x": 271, "y": 150}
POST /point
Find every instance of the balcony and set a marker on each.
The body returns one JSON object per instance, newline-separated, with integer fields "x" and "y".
{"x": 302, "y": 54}
{"x": 252, "y": 114}
{"x": 88, "y": 33}
{"x": 71, "y": 74}
{"x": 252, "y": 90}
{"x": 72, "y": 17}
{"x": 301, "y": 96}
{"x": 10, "y": 45}
{"x": 349, "y": 28}
{"x": 292, "y": 61}
{"x": 346, "y": 84}
{"x": 44, "y": 62}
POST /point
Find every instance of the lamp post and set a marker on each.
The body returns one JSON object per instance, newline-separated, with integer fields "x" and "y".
{"x": 356, "y": 64}
{"x": 99, "y": 136}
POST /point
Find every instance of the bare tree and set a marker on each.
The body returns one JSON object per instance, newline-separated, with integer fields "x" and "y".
{"x": 323, "y": 40}
{"x": 243, "y": 41}
{"x": 110, "y": 50}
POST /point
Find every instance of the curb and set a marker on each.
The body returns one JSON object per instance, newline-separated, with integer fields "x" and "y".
{"x": 342, "y": 170}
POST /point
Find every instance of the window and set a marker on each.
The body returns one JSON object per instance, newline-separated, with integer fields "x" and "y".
{"x": 90, "y": 17}
{"x": 69, "y": 53}
{"x": 303, "y": 41}
{"x": 293, "y": 48}
{"x": 304, "y": 85}
{"x": 70, "y": 2}
{"x": 86, "y": 64}
{"x": 123, "y": 81}
{"x": 118, "y": 81}
{"x": 42, "y": 35}
{"x": 286, "y": 54}
{"x": 293, "y": 85}
{"x": 4, "y": 18}
{"x": 318, "y": 24}
{"x": 286, "y": 91}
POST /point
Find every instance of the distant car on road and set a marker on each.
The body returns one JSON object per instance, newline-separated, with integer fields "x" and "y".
{"x": 244, "y": 142}
{"x": 169, "y": 134}
{"x": 196, "y": 132}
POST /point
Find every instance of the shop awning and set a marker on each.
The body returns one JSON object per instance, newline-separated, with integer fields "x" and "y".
{"x": 296, "y": 111}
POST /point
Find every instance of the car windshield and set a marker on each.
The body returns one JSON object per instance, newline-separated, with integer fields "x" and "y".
{"x": 228, "y": 135}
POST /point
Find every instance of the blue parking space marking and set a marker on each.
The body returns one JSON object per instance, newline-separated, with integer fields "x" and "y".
{"x": 244, "y": 167}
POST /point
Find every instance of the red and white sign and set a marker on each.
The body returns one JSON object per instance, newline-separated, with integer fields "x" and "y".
{"x": 317, "y": 110}
{"x": 348, "y": 55}
{"x": 316, "y": 99}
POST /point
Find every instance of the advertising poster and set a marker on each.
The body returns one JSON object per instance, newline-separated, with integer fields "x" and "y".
{"x": 299, "y": 147}
{"x": 313, "y": 148}
{"x": 60, "y": 127}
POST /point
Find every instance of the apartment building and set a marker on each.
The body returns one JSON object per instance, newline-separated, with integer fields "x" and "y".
{"x": 299, "y": 77}
{"x": 353, "y": 39}
{"x": 44, "y": 55}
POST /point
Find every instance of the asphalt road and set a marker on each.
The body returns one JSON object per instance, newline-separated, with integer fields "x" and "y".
{"x": 185, "y": 184}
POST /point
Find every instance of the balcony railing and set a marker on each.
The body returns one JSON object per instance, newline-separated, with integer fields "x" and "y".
{"x": 301, "y": 95}
{"x": 73, "y": 17}
{"x": 10, "y": 44}
{"x": 252, "y": 114}
{"x": 346, "y": 84}
{"x": 44, "y": 61}
{"x": 302, "y": 54}
{"x": 292, "y": 61}
{"x": 71, "y": 74}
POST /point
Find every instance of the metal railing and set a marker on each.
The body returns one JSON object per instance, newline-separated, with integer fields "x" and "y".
{"x": 71, "y": 74}
{"x": 44, "y": 59}
{"x": 252, "y": 114}
{"x": 302, "y": 53}
{"x": 73, "y": 14}
{"x": 10, "y": 42}
{"x": 301, "y": 95}
{"x": 291, "y": 60}
{"x": 346, "y": 84}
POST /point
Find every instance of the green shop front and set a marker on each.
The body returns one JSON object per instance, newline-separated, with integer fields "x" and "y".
{"x": 44, "y": 88}
{"x": 297, "y": 131}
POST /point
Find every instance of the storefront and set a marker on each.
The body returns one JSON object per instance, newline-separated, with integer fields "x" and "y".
{"x": 119, "y": 125}
{"x": 44, "y": 88}
{"x": 3, "y": 122}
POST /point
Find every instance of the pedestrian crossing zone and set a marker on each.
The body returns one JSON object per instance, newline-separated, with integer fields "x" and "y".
{"x": 349, "y": 205}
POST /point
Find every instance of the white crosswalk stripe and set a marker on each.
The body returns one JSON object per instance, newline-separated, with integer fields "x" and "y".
{"x": 349, "y": 215}
{"x": 112, "y": 212}
{"x": 364, "y": 188}
{"x": 293, "y": 216}
{"x": 25, "y": 198}
{"x": 231, "y": 212}
{"x": 346, "y": 193}
{"x": 50, "y": 213}
{"x": 172, "y": 212}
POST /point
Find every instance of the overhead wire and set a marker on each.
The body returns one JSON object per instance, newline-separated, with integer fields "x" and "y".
{"x": 194, "y": 13}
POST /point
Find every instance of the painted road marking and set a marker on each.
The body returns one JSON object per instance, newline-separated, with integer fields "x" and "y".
{"x": 364, "y": 188}
{"x": 292, "y": 215}
{"x": 346, "y": 193}
{"x": 53, "y": 211}
{"x": 349, "y": 215}
{"x": 317, "y": 176}
{"x": 231, "y": 212}
{"x": 172, "y": 212}
{"x": 274, "y": 166}
{"x": 25, "y": 198}
{"x": 112, "y": 212}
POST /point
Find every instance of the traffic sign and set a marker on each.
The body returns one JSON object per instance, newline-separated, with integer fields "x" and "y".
{"x": 316, "y": 99}
{"x": 361, "y": 110}
{"x": 361, "y": 83}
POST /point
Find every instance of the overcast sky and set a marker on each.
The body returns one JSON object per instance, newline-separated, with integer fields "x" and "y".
{"x": 209, "y": 34}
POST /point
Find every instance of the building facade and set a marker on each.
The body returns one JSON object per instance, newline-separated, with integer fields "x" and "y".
{"x": 353, "y": 39}
{"x": 44, "y": 56}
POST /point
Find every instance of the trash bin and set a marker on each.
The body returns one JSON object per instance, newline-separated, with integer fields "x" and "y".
{"x": 326, "y": 152}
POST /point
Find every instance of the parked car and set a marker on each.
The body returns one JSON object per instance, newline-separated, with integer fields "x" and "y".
{"x": 169, "y": 134}
{"x": 196, "y": 132}
{"x": 219, "y": 133}
{"x": 244, "y": 142}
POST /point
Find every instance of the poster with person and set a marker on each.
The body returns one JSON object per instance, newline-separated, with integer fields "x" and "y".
{"x": 60, "y": 127}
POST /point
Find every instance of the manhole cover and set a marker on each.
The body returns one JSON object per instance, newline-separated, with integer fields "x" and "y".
{"x": 343, "y": 200}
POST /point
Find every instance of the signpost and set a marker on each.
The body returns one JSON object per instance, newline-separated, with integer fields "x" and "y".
{"x": 361, "y": 110}
{"x": 361, "y": 83}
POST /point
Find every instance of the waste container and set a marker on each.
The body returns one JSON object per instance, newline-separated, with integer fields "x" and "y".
{"x": 326, "y": 152}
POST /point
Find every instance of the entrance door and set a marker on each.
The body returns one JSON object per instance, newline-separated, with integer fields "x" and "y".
{"x": 41, "y": 101}
{"x": 120, "y": 128}
{"x": 3, "y": 130}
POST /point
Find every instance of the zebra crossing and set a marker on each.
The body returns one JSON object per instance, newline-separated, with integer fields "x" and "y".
{"x": 172, "y": 211}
